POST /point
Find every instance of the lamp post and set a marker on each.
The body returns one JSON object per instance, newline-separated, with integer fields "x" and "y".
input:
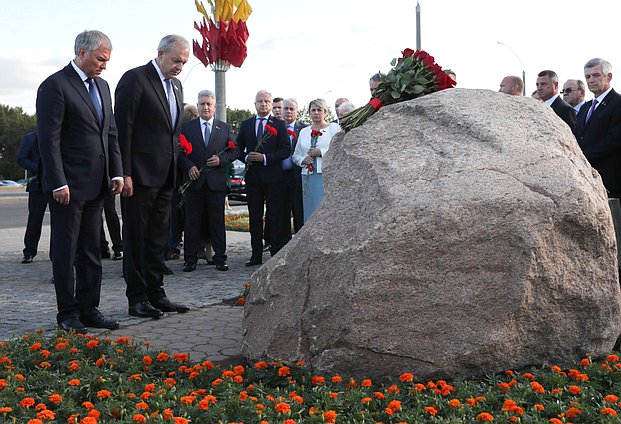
{"x": 417, "y": 25}
{"x": 522, "y": 63}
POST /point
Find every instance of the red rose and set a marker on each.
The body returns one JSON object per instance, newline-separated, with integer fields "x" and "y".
{"x": 407, "y": 53}
{"x": 292, "y": 134}
{"x": 185, "y": 145}
{"x": 270, "y": 130}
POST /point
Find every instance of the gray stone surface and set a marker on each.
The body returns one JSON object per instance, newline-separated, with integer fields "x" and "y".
{"x": 461, "y": 234}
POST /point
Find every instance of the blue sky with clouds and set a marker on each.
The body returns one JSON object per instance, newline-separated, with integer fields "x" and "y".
{"x": 319, "y": 48}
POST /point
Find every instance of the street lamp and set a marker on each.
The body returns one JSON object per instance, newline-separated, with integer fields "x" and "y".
{"x": 522, "y": 63}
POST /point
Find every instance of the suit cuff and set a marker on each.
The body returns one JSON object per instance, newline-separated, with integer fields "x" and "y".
{"x": 60, "y": 188}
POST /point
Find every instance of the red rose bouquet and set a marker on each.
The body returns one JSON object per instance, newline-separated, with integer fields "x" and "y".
{"x": 413, "y": 75}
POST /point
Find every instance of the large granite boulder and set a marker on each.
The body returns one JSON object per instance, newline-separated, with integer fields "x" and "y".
{"x": 461, "y": 234}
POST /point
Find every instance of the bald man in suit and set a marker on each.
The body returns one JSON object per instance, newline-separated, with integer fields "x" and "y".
{"x": 81, "y": 162}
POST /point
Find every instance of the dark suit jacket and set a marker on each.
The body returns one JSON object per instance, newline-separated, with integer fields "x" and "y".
{"x": 146, "y": 136}
{"x": 565, "y": 112}
{"x": 221, "y": 134}
{"x": 275, "y": 147}
{"x": 76, "y": 150}
{"x": 29, "y": 158}
{"x": 600, "y": 140}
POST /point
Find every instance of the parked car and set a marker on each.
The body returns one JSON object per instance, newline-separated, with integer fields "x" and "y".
{"x": 237, "y": 183}
{"x": 8, "y": 183}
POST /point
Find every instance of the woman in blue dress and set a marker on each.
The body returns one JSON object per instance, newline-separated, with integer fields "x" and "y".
{"x": 313, "y": 143}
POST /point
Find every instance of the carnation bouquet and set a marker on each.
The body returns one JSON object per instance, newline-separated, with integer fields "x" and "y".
{"x": 413, "y": 75}
{"x": 267, "y": 132}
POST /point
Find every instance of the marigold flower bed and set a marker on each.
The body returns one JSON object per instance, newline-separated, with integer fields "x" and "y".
{"x": 237, "y": 222}
{"x": 68, "y": 378}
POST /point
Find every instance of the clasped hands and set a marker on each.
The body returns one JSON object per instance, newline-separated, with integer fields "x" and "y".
{"x": 312, "y": 152}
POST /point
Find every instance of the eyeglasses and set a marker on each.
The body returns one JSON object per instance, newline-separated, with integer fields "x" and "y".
{"x": 568, "y": 90}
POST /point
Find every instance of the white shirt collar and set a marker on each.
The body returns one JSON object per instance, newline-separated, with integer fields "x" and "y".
{"x": 551, "y": 100}
{"x": 159, "y": 71}
{"x": 80, "y": 72}
{"x": 203, "y": 122}
{"x": 601, "y": 97}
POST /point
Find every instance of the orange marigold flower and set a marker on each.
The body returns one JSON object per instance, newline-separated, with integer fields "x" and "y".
{"x": 122, "y": 340}
{"x": 188, "y": 400}
{"x": 27, "y": 402}
{"x": 337, "y": 379}
{"x": 203, "y": 404}
{"x": 35, "y": 346}
{"x": 40, "y": 406}
{"x": 238, "y": 379}
{"x": 5, "y": 410}
{"x": 366, "y": 400}
{"x": 261, "y": 364}
{"x": 612, "y": 358}
{"x": 316, "y": 380}
{"x": 514, "y": 420}
{"x": 282, "y": 407}
{"x": 45, "y": 353}
{"x": 19, "y": 377}
{"x": 89, "y": 420}
{"x": 167, "y": 414}
{"x": 92, "y": 344}
{"x": 471, "y": 401}
{"x": 556, "y": 391}
{"x": 3, "y": 383}
{"x": 46, "y": 414}
{"x": 170, "y": 382}
{"x": 181, "y": 357}
{"x": 147, "y": 360}
{"x": 298, "y": 399}
{"x": 406, "y": 377}
{"x": 260, "y": 407}
{"x": 216, "y": 382}
{"x": 378, "y": 395}
{"x": 243, "y": 395}
{"x": 180, "y": 420}
{"x": 574, "y": 390}
{"x": 142, "y": 405}
{"x": 284, "y": 371}
{"x": 35, "y": 421}
{"x": 536, "y": 387}
{"x": 333, "y": 395}
{"x": 609, "y": 411}
{"x": 94, "y": 413}
{"x": 585, "y": 362}
{"x": 419, "y": 387}
{"x": 528, "y": 376}
{"x": 55, "y": 398}
{"x": 239, "y": 370}
{"x": 556, "y": 369}
{"x": 162, "y": 356}
{"x": 611, "y": 398}
{"x": 366, "y": 383}
{"x": 45, "y": 365}
{"x": 139, "y": 418}
{"x": 89, "y": 406}
{"x": 103, "y": 394}
{"x": 330, "y": 416}
{"x": 539, "y": 407}
{"x": 454, "y": 403}
{"x": 393, "y": 389}
{"x": 74, "y": 382}
{"x": 485, "y": 416}
{"x": 395, "y": 405}
{"x": 504, "y": 387}
{"x": 288, "y": 422}
{"x": 74, "y": 366}
{"x": 573, "y": 412}
{"x": 431, "y": 410}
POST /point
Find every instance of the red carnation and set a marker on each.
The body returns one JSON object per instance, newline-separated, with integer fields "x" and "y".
{"x": 185, "y": 145}
{"x": 270, "y": 130}
{"x": 292, "y": 134}
{"x": 315, "y": 133}
{"x": 310, "y": 168}
{"x": 231, "y": 145}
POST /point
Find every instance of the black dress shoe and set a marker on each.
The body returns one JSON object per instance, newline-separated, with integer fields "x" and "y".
{"x": 27, "y": 259}
{"x": 97, "y": 320}
{"x": 222, "y": 267}
{"x": 72, "y": 324}
{"x": 145, "y": 310}
{"x": 117, "y": 256}
{"x": 164, "y": 304}
{"x": 105, "y": 254}
{"x": 189, "y": 266}
{"x": 254, "y": 261}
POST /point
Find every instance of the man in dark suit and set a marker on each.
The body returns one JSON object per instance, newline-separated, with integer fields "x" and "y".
{"x": 547, "y": 89}
{"x": 81, "y": 161}
{"x": 293, "y": 173}
{"x": 264, "y": 154}
{"x": 148, "y": 111}
{"x": 209, "y": 138}
{"x": 29, "y": 158}
{"x": 599, "y": 126}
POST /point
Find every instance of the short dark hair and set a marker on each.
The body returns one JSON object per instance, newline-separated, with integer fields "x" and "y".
{"x": 277, "y": 99}
{"x": 547, "y": 73}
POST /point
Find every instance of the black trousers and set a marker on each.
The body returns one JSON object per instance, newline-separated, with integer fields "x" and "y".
{"x": 204, "y": 207}
{"x": 75, "y": 238}
{"x": 114, "y": 225}
{"x": 146, "y": 217}
{"x": 274, "y": 197}
{"x": 37, "y": 203}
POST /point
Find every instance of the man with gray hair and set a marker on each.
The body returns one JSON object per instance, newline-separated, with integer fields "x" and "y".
{"x": 344, "y": 109}
{"x": 573, "y": 93}
{"x": 205, "y": 195}
{"x": 77, "y": 140}
{"x": 148, "y": 111}
{"x": 599, "y": 125}
{"x": 547, "y": 88}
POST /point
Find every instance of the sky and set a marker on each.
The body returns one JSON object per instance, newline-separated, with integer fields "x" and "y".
{"x": 308, "y": 49}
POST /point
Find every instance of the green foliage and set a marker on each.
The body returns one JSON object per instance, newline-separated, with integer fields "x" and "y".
{"x": 236, "y": 116}
{"x": 14, "y": 123}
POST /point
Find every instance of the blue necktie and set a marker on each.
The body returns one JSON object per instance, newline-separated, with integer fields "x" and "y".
{"x": 260, "y": 129}
{"x": 207, "y": 134}
{"x": 591, "y": 109}
{"x": 92, "y": 91}
{"x": 172, "y": 103}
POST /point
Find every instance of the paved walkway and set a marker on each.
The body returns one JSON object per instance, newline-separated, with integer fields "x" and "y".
{"x": 211, "y": 330}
